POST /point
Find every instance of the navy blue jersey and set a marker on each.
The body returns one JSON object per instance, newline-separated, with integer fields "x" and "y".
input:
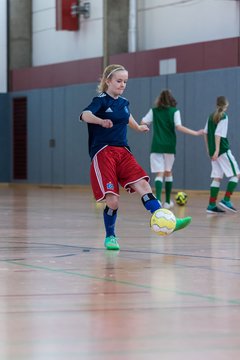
{"x": 117, "y": 110}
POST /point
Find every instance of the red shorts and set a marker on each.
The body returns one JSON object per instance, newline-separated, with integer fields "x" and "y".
{"x": 113, "y": 166}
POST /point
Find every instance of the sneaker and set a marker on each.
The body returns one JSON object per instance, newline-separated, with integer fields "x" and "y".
{"x": 211, "y": 209}
{"x": 182, "y": 223}
{"x": 168, "y": 205}
{"x": 111, "y": 243}
{"x": 227, "y": 205}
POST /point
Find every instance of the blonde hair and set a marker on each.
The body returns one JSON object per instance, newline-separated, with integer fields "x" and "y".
{"x": 107, "y": 74}
{"x": 222, "y": 104}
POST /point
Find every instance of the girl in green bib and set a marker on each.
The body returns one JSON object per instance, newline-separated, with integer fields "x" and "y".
{"x": 166, "y": 118}
{"x": 222, "y": 159}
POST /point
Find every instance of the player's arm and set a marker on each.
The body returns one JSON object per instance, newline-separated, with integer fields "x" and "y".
{"x": 217, "y": 147}
{"x": 205, "y": 135}
{"x": 206, "y": 141}
{"x": 134, "y": 125}
{"x": 90, "y": 118}
{"x": 220, "y": 132}
{"x": 188, "y": 131}
{"x": 148, "y": 118}
{"x": 184, "y": 129}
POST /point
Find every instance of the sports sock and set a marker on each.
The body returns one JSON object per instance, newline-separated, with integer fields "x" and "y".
{"x": 150, "y": 202}
{"x": 168, "y": 188}
{"x": 158, "y": 187}
{"x": 110, "y": 217}
{"x": 231, "y": 186}
{"x": 214, "y": 190}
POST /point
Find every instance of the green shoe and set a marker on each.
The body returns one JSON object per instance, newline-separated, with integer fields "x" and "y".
{"x": 111, "y": 243}
{"x": 182, "y": 223}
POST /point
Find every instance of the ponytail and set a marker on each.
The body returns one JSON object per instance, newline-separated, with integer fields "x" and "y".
{"x": 222, "y": 104}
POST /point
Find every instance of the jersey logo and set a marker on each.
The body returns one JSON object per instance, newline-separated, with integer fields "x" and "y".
{"x": 109, "y": 110}
{"x": 110, "y": 186}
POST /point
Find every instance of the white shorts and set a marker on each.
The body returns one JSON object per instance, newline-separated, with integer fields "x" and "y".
{"x": 225, "y": 165}
{"x": 161, "y": 162}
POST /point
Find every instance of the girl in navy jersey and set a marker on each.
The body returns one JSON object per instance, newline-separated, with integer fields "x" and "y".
{"x": 112, "y": 164}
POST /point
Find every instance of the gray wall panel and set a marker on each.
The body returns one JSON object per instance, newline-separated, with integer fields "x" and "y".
{"x": 176, "y": 83}
{"x": 77, "y": 157}
{"x": 46, "y": 133}
{"x": 34, "y": 137}
{"x": 59, "y": 123}
{"x": 158, "y": 84}
{"x": 138, "y": 94}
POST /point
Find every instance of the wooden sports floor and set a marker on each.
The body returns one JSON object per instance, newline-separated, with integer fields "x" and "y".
{"x": 62, "y": 296}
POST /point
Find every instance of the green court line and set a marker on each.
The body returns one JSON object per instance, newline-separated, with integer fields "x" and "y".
{"x": 208, "y": 298}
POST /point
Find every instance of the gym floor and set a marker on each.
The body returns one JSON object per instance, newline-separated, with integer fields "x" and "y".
{"x": 63, "y": 296}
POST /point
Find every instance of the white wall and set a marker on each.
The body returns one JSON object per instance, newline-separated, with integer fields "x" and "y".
{"x": 161, "y": 23}
{"x": 51, "y": 46}
{"x": 3, "y": 46}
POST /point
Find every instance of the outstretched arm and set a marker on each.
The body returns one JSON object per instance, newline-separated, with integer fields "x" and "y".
{"x": 186, "y": 130}
{"x": 134, "y": 125}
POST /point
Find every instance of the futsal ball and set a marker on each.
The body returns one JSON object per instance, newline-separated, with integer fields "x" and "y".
{"x": 181, "y": 198}
{"x": 163, "y": 222}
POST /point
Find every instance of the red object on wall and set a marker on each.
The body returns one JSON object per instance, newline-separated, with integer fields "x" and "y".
{"x": 64, "y": 18}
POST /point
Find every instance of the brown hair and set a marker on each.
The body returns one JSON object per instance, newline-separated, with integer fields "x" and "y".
{"x": 107, "y": 74}
{"x": 165, "y": 99}
{"x": 222, "y": 104}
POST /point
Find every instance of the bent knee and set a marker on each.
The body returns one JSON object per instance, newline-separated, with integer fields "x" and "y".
{"x": 112, "y": 201}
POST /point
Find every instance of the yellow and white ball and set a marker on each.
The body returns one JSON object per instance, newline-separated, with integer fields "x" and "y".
{"x": 163, "y": 222}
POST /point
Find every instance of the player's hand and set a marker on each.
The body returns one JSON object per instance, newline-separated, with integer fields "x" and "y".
{"x": 200, "y": 132}
{"x": 143, "y": 128}
{"x": 107, "y": 123}
{"x": 215, "y": 156}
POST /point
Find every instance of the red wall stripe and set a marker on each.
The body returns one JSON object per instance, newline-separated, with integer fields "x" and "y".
{"x": 193, "y": 57}
{"x": 69, "y": 73}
